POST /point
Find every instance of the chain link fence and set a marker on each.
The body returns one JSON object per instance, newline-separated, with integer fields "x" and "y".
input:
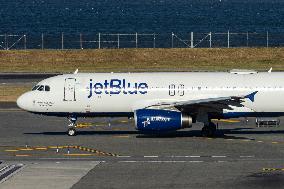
{"x": 140, "y": 40}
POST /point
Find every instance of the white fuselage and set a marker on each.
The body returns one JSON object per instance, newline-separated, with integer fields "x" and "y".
{"x": 123, "y": 93}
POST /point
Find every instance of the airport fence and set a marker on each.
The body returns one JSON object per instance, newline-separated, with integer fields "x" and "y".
{"x": 140, "y": 40}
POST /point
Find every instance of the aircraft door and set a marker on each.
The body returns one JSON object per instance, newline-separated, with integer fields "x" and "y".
{"x": 69, "y": 89}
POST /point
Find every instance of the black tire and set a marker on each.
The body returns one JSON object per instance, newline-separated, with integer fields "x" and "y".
{"x": 213, "y": 127}
{"x": 71, "y": 132}
{"x": 205, "y": 131}
{"x": 209, "y": 130}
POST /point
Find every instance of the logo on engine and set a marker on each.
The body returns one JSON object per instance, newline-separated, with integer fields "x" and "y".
{"x": 155, "y": 119}
{"x": 146, "y": 122}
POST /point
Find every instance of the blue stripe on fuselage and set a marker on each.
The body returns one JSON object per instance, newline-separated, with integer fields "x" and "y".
{"x": 131, "y": 114}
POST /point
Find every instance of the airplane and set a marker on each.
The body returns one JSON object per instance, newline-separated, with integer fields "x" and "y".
{"x": 159, "y": 101}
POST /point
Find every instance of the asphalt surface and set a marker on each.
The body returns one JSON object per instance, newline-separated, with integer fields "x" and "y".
{"x": 114, "y": 155}
{"x": 23, "y": 78}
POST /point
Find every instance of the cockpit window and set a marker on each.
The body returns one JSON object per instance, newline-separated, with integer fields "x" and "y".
{"x": 35, "y": 87}
{"x": 47, "y": 88}
{"x": 41, "y": 88}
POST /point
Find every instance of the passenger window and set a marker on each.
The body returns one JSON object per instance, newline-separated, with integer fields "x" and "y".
{"x": 41, "y": 88}
{"x": 47, "y": 88}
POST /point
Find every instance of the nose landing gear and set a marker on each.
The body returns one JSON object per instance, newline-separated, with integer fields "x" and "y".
{"x": 72, "y": 131}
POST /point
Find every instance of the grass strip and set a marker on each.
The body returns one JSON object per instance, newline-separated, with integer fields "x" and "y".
{"x": 136, "y": 60}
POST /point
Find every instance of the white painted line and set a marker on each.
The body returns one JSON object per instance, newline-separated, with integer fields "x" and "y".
{"x": 151, "y": 156}
{"x": 222, "y": 161}
{"x": 95, "y": 159}
{"x": 123, "y": 156}
{"x": 9, "y": 171}
{"x": 178, "y": 156}
{"x": 166, "y": 161}
{"x": 6, "y": 167}
{"x": 247, "y": 156}
{"x": 196, "y": 161}
{"x": 218, "y": 156}
{"x": 195, "y": 156}
{"x": 160, "y": 161}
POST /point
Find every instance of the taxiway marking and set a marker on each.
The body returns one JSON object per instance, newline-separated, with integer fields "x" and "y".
{"x": 11, "y": 150}
{"x": 22, "y": 155}
{"x": 26, "y": 149}
{"x": 226, "y": 120}
{"x": 273, "y": 169}
{"x": 218, "y": 156}
{"x": 41, "y": 148}
{"x": 122, "y": 136}
{"x": 78, "y": 154}
{"x": 123, "y": 156}
{"x": 161, "y": 161}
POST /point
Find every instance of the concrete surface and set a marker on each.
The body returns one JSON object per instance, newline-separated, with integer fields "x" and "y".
{"x": 46, "y": 175}
{"x": 240, "y": 156}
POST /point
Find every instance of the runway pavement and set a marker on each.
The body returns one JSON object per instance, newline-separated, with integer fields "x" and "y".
{"x": 114, "y": 155}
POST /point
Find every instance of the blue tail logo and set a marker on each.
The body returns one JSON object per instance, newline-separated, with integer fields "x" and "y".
{"x": 251, "y": 96}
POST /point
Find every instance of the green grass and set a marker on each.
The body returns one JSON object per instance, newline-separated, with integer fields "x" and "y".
{"x": 125, "y": 60}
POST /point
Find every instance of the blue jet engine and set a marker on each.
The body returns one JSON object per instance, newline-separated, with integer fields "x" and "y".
{"x": 161, "y": 120}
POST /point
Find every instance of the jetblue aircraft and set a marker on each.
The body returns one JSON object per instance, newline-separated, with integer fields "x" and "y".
{"x": 159, "y": 102}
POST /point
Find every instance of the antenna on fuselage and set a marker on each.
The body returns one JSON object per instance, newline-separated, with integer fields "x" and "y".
{"x": 76, "y": 71}
{"x": 270, "y": 70}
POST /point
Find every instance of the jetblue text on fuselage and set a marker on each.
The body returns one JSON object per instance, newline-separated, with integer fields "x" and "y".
{"x": 116, "y": 86}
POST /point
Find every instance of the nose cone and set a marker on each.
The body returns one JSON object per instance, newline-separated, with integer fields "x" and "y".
{"x": 23, "y": 102}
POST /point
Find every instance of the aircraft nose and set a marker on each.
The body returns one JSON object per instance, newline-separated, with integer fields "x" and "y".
{"x": 23, "y": 102}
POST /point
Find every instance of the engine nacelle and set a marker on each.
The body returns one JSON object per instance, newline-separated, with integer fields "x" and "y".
{"x": 161, "y": 120}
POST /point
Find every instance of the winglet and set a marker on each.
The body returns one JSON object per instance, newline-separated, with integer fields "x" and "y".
{"x": 76, "y": 71}
{"x": 270, "y": 70}
{"x": 251, "y": 96}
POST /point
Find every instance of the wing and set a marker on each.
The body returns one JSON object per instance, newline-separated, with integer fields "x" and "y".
{"x": 210, "y": 104}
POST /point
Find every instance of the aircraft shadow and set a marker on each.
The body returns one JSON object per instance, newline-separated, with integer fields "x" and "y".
{"x": 176, "y": 134}
{"x": 89, "y": 133}
{"x": 250, "y": 131}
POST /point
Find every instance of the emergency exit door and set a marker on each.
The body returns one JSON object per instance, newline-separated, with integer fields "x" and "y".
{"x": 69, "y": 89}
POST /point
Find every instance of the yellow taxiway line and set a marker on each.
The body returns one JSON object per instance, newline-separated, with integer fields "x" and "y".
{"x": 273, "y": 169}
{"x": 226, "y": 120}
{"x": 11, "y": 150}
{"x": 22, "y": 155}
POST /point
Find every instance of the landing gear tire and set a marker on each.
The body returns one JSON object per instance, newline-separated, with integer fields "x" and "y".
{"x": 209, "y": 130}
{"x": 71, "y": 132}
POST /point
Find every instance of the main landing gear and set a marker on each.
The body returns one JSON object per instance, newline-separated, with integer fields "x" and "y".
{"x": 72, "y": 131}
{"x": 209, "y": 130}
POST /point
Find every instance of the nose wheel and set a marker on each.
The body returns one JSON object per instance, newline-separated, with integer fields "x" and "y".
{"x": 72, "y": 131}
